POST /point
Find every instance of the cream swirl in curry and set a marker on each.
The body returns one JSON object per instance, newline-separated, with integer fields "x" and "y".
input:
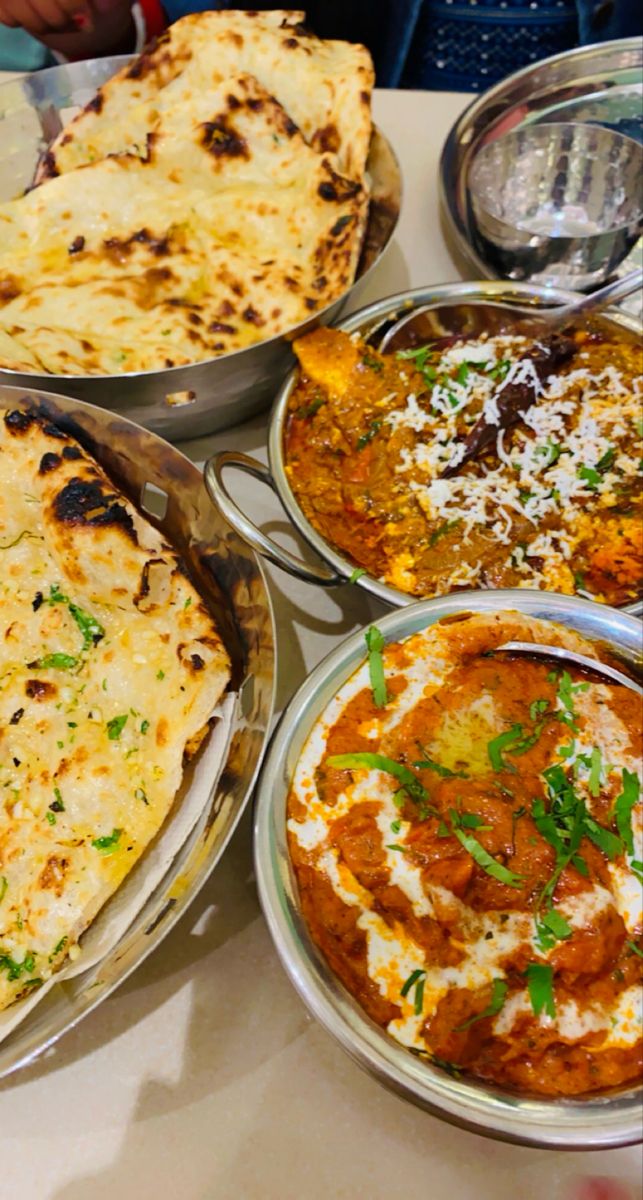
{"x": 467, "y": 839}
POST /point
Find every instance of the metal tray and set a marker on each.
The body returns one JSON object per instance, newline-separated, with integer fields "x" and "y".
{"x": 179, "y": 402}
{"x": 597, "y": 1122}
{"x": 593, "y": 83}
{"x": 231, "y": 581}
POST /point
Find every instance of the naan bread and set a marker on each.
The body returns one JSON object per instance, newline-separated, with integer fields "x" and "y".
{"x": 110, "y": 668}
{"x": 325, "y": 86}
{"x": 230, "y": 229}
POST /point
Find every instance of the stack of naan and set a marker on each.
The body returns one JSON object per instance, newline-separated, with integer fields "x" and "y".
{"x": 211, "y": 195}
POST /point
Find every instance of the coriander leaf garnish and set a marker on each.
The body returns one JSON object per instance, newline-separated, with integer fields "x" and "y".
{"x": 608, "y": 843}
{"x": 91, "y": 629}
{"x": 309, "y": 410}
{"x": 57, "y": 948}
{"x": 595, "y": 771}
{"x": 379, "y": 762}
{"x": 57, "y": 804}
{"x": 443, "y": 529}
{"x": 367, "y": 437}
{"x": 356, "y": 574}
{"x": 623, "y": 806}
{"x": 540, "y": 984}
{"x": 496, "y": 746}
{"x": 375, "y": 645}
{"x": 632, "y": 946}
{"x": 15, "y": 969}
{"x": 396, "y": 846}
{"x": 56, "y": 662}
{"x": 499, "y": 991}
{"x": 115, "y": 727}
{"x": 637, "y": 867}
{"x": 3, "y": 887}
{"x": 415, "y": 980}
{"x": 109, "y": 843}
{"x": 374, "y": 364}
{"x": 482, "y": 856}
{"x": 551, "y": 927}
{"x": 427, "y": 764}
{"x": 537, "y": 708}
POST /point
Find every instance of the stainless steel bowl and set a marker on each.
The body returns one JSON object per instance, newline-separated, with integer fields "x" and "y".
{"x": 559, "y": 204}
{"x": 169, "y": 489}
{"x": 337, "y": 569}
{"x": 600, "y": 83}
{"x": 178, "y": 402}
{"x": 597, "y": 1122}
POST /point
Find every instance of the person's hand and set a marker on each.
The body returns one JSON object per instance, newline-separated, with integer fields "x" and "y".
{"x": 75, "y": 28}
{"x": 40, "y": 17}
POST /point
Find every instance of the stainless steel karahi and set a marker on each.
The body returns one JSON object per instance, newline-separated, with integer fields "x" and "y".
{"x": 601, "y": 83}
{"x": 177, "y": 402}
{"x": 337, "y": 569}
{"x": 165, "y": 485}
{"x": 598, "y": 1122}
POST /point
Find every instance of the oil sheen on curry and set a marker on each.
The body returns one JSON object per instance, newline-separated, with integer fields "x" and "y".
{"x": 468, "y": 841}
{"x": 493, "y": 462}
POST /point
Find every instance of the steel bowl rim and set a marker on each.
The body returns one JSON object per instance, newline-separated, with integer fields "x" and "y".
{"x": 359, "y": 320}
{"x": 597, "y": 1122}
{"x": 120, "y": 60}
{"x": 168, "y": 917}
{"x": 534, "y": 130}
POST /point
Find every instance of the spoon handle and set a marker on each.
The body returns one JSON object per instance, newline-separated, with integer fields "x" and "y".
{"x": 632, "y": 282}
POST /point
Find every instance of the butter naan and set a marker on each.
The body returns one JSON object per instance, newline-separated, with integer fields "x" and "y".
{"x": 187, "y": 214}
{"x": 325, "y": 86}
{"x": 110, "y": 668}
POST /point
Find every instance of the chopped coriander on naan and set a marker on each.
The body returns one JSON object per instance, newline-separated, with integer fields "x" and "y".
{"x": 110, "y": 668}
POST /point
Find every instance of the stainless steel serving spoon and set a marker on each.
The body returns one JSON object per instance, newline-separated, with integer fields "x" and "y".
{"x": 570, "y": 656}
{"x": 443, "y": 319}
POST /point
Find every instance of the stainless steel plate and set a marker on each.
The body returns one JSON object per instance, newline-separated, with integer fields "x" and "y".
{"x": 231, "y": 581}
{"x": 597, "y": 1122}
{"x": 179, "y": 402}
{"x": 593, "y": 83}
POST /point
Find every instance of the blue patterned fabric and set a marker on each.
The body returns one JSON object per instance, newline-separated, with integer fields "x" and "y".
{"x": 457, "y": 45}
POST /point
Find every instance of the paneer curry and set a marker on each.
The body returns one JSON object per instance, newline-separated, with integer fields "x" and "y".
{"x": 492, "y": 462}
{"x": 468, "y": 842}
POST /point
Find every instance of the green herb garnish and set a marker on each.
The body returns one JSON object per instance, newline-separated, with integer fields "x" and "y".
{"x": 634, "y": 948}
{"x": 551, "y": 927}
{"x": 56, "y": 662}
{"x": 427, "y": 764}
{"x": 115, "y": 727}
{"x": 374, "y": 364}
{"x": 499, "y": 991}
{"x": 109, "y": 843}
{"x": 15, "y": 969}
{"x": 369, "y": 435}
{"x": 443, "y": 529}
{"x": 57, "y": 804}
{"x": 375, "y": 645}
{"x": 540, "y": 984}
{"x": 91, "y": 629}
{"x": 496, "y": 746}
{"x": 482, "y": 856}
{"x": 623, "y": 806}
{"x": 3, "y": 887}
{"x": 356, "y": 574}
{"x": 379, "y": 762}
{"x": 415, "y": 980}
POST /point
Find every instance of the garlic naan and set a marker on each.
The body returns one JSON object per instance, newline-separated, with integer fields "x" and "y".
{"x": 110, "y": 668}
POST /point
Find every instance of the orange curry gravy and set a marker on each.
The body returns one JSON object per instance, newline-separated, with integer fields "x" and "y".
{"x": 554, "y": 502}
{"x": 484, "y": 907}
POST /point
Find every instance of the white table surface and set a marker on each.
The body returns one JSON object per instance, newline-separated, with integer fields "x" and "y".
{"x": 203, "y": 1077}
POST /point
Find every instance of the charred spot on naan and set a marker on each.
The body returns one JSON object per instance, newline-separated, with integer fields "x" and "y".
{"x": 89, "y": 502}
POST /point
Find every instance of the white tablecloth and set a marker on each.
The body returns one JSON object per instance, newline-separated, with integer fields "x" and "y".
{"x": 203, "y": 1077}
